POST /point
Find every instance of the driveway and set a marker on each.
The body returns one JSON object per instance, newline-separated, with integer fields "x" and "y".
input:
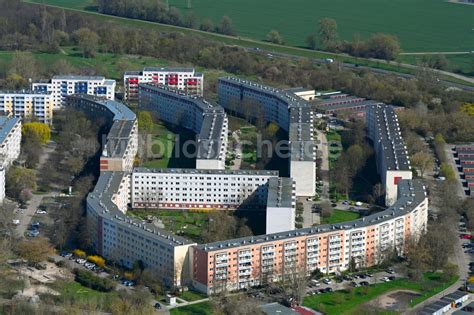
{"x": 323, "y": 149}
{"x": 34, "y": 203}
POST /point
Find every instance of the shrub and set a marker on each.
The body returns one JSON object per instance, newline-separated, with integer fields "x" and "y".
{"x": 79, "y": 253}
{"x": 99, "y": 261}
{"x": 88, "y": 279}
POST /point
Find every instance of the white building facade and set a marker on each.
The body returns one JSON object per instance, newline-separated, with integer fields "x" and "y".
{"x": 186, "y": 80}
{"x": 10, "y": 145}
{"x": 28, "y": 105}
{"x": 61, "y": 86}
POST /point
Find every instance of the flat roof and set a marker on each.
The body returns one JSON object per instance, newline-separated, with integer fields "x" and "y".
{"x": 277, "y": 309}
{"x": 25, "y": 92}
{"x": 6, "y": 126}
{"x": 280, "y": 192}
{"x": 411, "y": 194}
{"x": 78, "y": 77}
{"x": 335, "y": 107}
{"x": 101, "y": 200}
{"x": 204, "y": 171}
{"x": 209, "y": 135}
{"x": 390, "y": 138}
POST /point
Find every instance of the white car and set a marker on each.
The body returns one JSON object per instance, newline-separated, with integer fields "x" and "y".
{"x": 315, "y": 283}
{"x": 358, "y": 204}
{"x": 16, "y": 222}
{"x": 327, "y": 281}
{"x": 81, "y": 261}
{"x": 385, "y": 279}
{"x": 39, "y": 211}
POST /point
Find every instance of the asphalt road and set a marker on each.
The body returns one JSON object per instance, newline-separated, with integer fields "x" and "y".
{"x": 357, "y": 67}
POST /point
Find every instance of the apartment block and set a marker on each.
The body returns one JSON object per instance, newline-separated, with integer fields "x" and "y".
{"x": 206, "y": 119}
{"x": 184, "y": 79}
{"x": 120, "y": 147}
{"x": 117, "y": 236}
{"x": 61, "y": 86}
{"x": 10, "y": 141}
{"x": 393, "y": 163}
{"x": 217, "y": 190}
{"x": 28, "y": 105}
{"x": 249, "y": 261}
{"x": 289, "y": 111}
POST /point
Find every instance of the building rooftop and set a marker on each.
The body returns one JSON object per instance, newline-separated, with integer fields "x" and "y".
{"x": 6, "y": 125}
{"x": 78, "y": 77}
{"x": 277, "y": 309}
{"x": 101, "y": 201}
{"x": 204, "y": 171}
{"x": 25, "y": 92}
{"x": 390, "y": 138}
{"x": 280, "y": 192}
{"x": 411, "y": 194}
{"x": 214, "y": 117}
{"x": 348, "y": 106}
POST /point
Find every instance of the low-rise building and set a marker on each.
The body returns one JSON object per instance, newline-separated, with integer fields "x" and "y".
{"x": 10, "y": 142}
{"x": 60, "y": 86}
{"x": 184, "y": 79}
{"x": 208, "y": 120}
{"x": 28, "y": 105}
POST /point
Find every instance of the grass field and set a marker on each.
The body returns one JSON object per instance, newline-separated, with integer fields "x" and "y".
{"x": 421, "y": 25}
{"x": 340, "y": 216}
{"x": 203, "y": 308}
{"x": 164, "y": 140}
{"x": 462, "y": 64}
{"x": 192, "y": 296}
{"x": 344, "y": 302}
{"x": 186, "y": 223}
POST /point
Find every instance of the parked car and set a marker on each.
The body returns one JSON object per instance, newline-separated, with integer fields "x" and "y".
{"x": 466, "y": 236}
{"x": 40, "y": 211}
{"x": 32, "y": 233}
{"x": 35, "y": 225}
{"x": 16, "y": 222}
{"x": 66, "y": 254}
{"x": 385, "y": 279}
{"x": 391, "y": 278}
{"x": 354, "y": 284}
{"x": 364, "y": 283}
{"x": 390, "y": 271}
{"x": 81, "y": 261}
{"x": 315, "y": 283}
{"x": 157, "y": 306}
{"x": 369, "y": 275}
{"x": 327, "y": 281}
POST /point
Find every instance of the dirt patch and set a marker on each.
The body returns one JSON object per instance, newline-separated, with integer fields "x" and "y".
{"x": 398, "y": 300}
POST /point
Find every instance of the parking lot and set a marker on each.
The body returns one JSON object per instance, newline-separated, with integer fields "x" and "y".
{"x": 335, "y": 283}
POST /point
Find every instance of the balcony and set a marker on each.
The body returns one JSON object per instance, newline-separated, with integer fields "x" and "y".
{"x": 218, "y": 265}
{"x": 245, "y": 261}
{"x": 290, "y": 246}
{"x": 247, "y": 272}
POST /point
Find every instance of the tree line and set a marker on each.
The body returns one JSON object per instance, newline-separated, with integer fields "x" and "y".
{"x": 70, "y": 28}
{"x": 157, "y": 11}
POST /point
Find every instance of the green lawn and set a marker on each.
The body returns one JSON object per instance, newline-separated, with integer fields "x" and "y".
{"x": 340, "y": 216}
{"x": 462, "y": 64}
{"x": 203, "y": 308}
{"x": 74, "y": 290}
{"x": 421, "y": 25}
{"x": 192, "y": 296}
{"x": 163, "y": 141}
{"x": 343, "y": 302}
{"x": 186, "y": 223}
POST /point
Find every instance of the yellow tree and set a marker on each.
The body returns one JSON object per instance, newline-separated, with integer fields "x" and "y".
{"x": 41, "y": 130}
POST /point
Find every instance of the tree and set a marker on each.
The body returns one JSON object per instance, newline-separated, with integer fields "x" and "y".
{"x": 40, "y": 129}
{"x": 35, "y": 250}
{"x": 422, "y": 161}
{"x": 328, "y": 35}
{"x": 87, "y": 40}
{"x": 450, "y": 271}
{"x": 19, "y": 179}
{"x": 145, "y": 122}
{"x": 274, "y": 37}
{"x": 132, "y": 302}
{"x": 383, "y": 46}
{"x": 30, "y": 148}
{"x": 311, "y": 41}
{"x": 225, "y": 27}
{"x": 326, "y": 209}
{"x": 206, "y": 25}
{"x": 24, "y": 65}
{"x": 447, "y": 171}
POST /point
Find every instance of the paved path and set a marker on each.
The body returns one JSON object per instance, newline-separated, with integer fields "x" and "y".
{"x": 238, "y": 151}
{"x": 436, "y": 53}
{"x": 324, "y": 149}
{"x": 188, "y": 303}
{"x": 34, "y": 203}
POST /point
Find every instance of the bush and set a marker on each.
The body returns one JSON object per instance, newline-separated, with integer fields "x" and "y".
{"x": 99, "y": 261}
{"x": 79, "y": 253}
{"x": 88, "y": 279}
